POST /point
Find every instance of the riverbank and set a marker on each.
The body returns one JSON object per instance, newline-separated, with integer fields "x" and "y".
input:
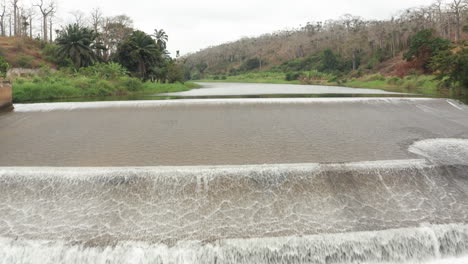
{"x": 420, "y": 84}
{"x": 53, "y": 88}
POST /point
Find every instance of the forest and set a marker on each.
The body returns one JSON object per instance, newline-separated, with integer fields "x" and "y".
{"x": 429, "y": 40}
{"x": 94, "y": 55}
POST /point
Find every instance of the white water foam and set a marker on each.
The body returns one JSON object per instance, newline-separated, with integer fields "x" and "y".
{"x": 69, "y": 106}
{"x": 426, "y": 244}
{"x": 447, "y": 151}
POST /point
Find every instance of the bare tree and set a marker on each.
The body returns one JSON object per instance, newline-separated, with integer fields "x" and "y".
{"x": 457, "y": 7}
{"x": 2, "y": 18}
{"x": 15, "y": 16}
{"x": 96, "y": 19}
{"x": 30, "y": 16}
{"x": 46, "y": 11}
{"x": 79, "y": 17}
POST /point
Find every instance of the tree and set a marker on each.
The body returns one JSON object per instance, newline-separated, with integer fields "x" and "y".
{"x": 458, "y": 6}
{"x": 114, "y": 31}
{"x": 161, "y": 38}
{"x": 15, "y": 16}
{"x": 46, "y": 11}
{"x": 139, "y": 54}
{"x": 2, "y": 18}
{"x": 201, "y": 67}
{"x": 77, "y": 44}
{"x": 424, "y": 45}
{"x": 452, "y": 66}
{"x": 329, "y": 61}
{"x": 175, "y": 72}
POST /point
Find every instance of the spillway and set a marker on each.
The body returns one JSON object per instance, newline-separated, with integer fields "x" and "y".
{"x": 380, "y": 181}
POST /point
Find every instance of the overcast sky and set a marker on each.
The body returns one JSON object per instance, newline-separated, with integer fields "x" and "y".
{"x": 196, "y": 24}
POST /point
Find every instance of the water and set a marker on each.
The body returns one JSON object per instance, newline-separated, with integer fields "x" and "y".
{"x": 225, "y": 132}
{"x": 283, "y": 180}
{"x": 244, "y": 89}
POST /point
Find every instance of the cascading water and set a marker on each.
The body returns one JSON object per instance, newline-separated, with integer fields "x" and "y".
{"x": 406, "y": 210}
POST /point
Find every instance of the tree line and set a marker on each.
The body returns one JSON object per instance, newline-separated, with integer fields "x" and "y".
{"x": 349, "y": 43}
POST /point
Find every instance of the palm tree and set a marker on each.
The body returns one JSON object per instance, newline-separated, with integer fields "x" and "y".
{"x": 161, "y": 38}
{"x": 77, "y": 44}
{"x": 139, "y": 53}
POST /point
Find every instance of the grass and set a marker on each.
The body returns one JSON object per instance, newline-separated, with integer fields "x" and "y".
{"x": 423, "y": 84}
{"x": 56, "y": 87}
{"x": 255, "y": 77}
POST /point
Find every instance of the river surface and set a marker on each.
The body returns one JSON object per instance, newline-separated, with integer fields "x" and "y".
{"x": 266, "y": 180}
{"x": 244, "y": 89}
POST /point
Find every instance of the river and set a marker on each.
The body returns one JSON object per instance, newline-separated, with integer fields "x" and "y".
{"x": 244, "y": 180}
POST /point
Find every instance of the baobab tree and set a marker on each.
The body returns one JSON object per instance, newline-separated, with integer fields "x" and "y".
{"x": 458, "y": 7}
{"x": 46, "y": 11}
{"x": 2, "y": 17}
{"x": 15, "y": 16}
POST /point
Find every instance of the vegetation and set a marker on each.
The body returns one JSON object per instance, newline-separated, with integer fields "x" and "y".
{"x": 347, "y": 48}
{"x": 451, "y": 67}
{"x": 105, "y": 56}
{"x": 77, "y": 44}
{"x": 94, "y": 81}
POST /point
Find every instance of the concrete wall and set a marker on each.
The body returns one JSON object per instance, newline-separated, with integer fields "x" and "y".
{"x": 5, "y": 95}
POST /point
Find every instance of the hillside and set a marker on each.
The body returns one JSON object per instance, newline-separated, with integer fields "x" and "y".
{"x": 23, "y": 52}
{"x": 352, "y": 43}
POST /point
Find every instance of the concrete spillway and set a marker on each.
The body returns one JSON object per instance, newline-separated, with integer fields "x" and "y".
{"x": 380, "y": 181}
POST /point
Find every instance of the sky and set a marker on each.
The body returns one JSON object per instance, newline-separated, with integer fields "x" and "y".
{"x": 196, "y": 24}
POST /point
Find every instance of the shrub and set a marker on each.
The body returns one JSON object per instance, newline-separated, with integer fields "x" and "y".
{"x": 216, "y": 77}
{"x": 24, "y": 61}
{"x": 4, "y": 66}
{"x": 371, "y": 64}
{"x": 131, "y": 84}
{"x": 251, "y": 64}
{"x": 108, "y": 71}
{"x": 292, "y": 76}
{"x": 394, "y": 80}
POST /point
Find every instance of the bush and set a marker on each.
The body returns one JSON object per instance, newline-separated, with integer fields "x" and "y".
{"x": 4, "y": 66}
{"x": 196, "y": 76}
{"x": 24, "y": 61}
{"x": 371, "y": 64}
{"x": 131, "y": 84}
{"x": 394, "y": 80}
{"x": 292, "y": 76}
{"x": 216, "y": 77}
{"x": 108, "y": 71}
{"x": 251, "y": 64}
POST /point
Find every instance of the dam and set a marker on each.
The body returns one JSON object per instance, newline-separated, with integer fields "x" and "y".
{"x": 291, "y": 180}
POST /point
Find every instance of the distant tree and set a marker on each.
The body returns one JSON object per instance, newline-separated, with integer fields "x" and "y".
{"x": 47, "y": 9}
{"x": 175, "y": 72}
{"x": 201, "y": 67}
{"x": 329, "y": 61}
{"x": 452, "y": 66}
{"x": 458, "y": 7}
{"x": 3, "y": 15}
{"x": 250, "y": 64}
{"x": 77, "y": 44}
{"x": 114, "y": 31}
{"x": 161, "y": 38}
{"x": 423, "y": 46}
{"x": 139, "y": 54}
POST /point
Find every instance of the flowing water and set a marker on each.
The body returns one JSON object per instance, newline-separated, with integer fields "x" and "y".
{"x": 305, "y": 180}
